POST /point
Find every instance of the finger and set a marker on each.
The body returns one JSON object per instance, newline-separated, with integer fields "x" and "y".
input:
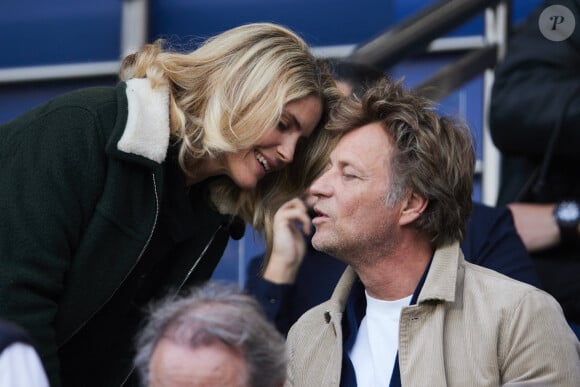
{"x": 292, "y": 215}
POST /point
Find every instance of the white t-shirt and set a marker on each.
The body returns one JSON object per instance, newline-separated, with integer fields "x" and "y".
{"x": 377, "y": 342}
{"x": 20, "y": 366}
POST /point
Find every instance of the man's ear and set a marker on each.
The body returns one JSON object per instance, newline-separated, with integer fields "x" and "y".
{"x": 413, "y": 207}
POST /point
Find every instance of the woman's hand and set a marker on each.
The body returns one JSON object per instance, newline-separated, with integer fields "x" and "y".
{"x": 291, "y": 223}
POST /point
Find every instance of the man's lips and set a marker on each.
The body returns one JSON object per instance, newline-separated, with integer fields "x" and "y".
{"x": 319, "y": 215}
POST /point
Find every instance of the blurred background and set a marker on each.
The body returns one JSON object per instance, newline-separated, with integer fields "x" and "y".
{"x": 50, "y": 47}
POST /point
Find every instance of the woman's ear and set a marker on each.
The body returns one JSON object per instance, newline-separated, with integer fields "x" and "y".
{"x": 413, "y": 207}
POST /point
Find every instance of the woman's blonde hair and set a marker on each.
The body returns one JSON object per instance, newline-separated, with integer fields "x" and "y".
{"x": 231, "y": 90}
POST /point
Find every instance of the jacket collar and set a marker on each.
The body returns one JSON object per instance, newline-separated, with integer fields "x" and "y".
{"x": 337, "y": 302}
{"x": 440, "y": 284}
{"x": 142, "y": 131}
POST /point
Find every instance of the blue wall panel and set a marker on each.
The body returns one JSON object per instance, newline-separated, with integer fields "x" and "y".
{"x": 405, "y": 8}
{"x": 320, "y": 22}
{"x": 39, "y": 32}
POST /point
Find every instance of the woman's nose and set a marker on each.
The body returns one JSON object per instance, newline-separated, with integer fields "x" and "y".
{"x": 286, "y": 149}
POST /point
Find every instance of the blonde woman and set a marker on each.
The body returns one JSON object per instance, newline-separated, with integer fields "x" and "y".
{"x": 111, "y": 197}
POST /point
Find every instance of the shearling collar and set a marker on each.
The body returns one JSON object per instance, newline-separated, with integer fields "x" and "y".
{"x": 147, "y": 131}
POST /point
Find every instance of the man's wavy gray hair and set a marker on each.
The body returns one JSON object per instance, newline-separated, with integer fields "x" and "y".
{"x": 216, "y": 312}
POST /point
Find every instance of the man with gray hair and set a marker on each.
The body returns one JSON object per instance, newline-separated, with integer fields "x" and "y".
{"x": 212, "y": 336}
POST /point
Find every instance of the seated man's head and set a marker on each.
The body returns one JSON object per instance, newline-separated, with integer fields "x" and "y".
{"x": 352, "y": 79}
{"x": 214, "y": 336}
{"x": 399, "y": 170}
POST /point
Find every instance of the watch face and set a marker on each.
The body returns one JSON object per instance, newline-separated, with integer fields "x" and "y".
{"x": 568, "y": 211}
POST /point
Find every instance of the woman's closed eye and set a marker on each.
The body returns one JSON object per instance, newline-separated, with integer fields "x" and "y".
{"x": 283, "y": 126}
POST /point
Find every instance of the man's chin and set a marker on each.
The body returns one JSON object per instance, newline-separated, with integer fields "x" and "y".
{"x": 322, "y": 245}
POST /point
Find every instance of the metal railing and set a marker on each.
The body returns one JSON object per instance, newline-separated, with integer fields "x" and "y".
{"x": 415, "y": 35}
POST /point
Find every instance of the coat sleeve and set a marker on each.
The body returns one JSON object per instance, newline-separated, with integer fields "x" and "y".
{"x": 491, "y": 241}
{"x": 273, "y": 298}
{"x": 537, "y": 83}
{"x": 52, "y": 170}
{"x": 537, "y": 347}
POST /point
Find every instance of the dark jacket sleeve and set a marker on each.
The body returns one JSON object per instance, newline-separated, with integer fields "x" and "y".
{"x": 492, "y": 241}
{"x": 49, "y": 182}
{"x": 273, "y": 297}
{"x": 537, "y": 83}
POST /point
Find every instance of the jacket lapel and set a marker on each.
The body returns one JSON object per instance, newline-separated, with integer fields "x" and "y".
{"x": 422, "y": 325}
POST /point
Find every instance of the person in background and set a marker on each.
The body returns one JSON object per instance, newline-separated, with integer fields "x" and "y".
{"x": 392, "y": 203}
{"x": 353, "y": 78}
{"x": 20, "y": 365}
{"x": 112, "y": 196}
{"x": 295, "y": 277}
{"x": 212, "y": 336}
{"x": 535, "y": 123}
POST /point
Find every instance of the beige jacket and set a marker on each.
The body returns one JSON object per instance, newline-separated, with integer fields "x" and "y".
{"x": 470, "y": 327}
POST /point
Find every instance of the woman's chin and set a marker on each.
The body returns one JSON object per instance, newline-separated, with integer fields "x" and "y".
{"x": 247, "y": 183}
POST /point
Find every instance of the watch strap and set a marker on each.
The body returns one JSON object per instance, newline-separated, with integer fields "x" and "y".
{"x": 568, "y": 225}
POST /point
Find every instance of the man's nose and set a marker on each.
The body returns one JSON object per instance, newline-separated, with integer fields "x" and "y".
{"x": 320, "y": 186}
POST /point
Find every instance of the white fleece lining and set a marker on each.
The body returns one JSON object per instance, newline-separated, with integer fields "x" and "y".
{"x": 147, "y": 131}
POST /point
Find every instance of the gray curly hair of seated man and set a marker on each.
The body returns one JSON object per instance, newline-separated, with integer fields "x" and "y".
{"x": 216, "y": 313}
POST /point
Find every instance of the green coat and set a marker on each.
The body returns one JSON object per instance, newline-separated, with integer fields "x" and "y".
{"x": 80, "y": 189}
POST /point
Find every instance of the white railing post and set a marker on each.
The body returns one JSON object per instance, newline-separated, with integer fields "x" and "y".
{"x": 134, "y": 25}
{"x": 496, "y": 28}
